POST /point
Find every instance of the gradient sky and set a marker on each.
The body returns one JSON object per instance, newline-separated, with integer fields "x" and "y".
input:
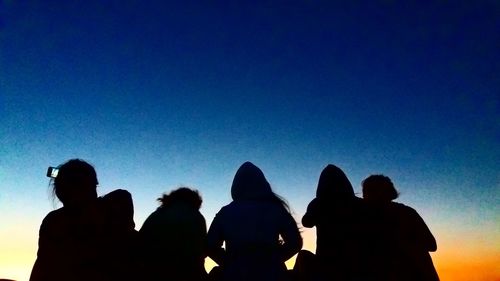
{"x": 158, "y": 94}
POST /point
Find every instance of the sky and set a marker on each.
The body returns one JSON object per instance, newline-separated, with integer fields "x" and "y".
{"x": 162, "y": 94}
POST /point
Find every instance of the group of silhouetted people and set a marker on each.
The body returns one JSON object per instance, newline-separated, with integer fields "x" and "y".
{"x": 94, "y": 238}
{"x": 365, "y": 239}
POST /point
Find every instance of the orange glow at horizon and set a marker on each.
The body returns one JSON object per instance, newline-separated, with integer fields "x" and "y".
{"x": 469, "y": 269}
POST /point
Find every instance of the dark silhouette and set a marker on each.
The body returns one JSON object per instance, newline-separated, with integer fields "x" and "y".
{"x": 89, "y": 238}
{"x": 399, "y": 240}
{"x": 337, "y": 214}
{"x": 251, "y": 227}
{"x": 121, "y": 238}
{"x": 305, "y": 267}
{"x": 173, "y": 238}
{"x": 215, "y": 274}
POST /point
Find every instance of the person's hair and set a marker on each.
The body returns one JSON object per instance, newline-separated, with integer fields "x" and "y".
{"x": 249, "y": 183}
{"x": 334, "y": 184}
{"x": 74, "y": 174}
{"x": 379, "y": 188}
{"x": 182, "y": 195}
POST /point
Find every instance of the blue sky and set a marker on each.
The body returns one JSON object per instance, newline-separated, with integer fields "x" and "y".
{"x": 157, "y": 94}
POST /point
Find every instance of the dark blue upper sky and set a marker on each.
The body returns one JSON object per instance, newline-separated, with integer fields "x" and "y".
{"x": 158, "y": 93}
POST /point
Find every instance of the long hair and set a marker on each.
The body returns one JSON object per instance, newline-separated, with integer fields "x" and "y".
{"x": 249, "y": 183}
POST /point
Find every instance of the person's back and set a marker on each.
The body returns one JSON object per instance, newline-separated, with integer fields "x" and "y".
{"x": 251, "y": 232}
{"x": 68, "y": 248}
{"x": 415, "y": 241}
{"x": 251, "y": 227}
{"x": 77, "y": 241}
{"x": 400, "y": 241}
{"x": 119, "y": 242}
{"x": 337, "y": 227}
{"x": 337, "y": 214}
{"x": 173, "y": 240}
{"x": 380, "y": 242}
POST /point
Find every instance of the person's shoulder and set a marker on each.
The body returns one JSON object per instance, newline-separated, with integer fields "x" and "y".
{"x": 228, "y": 207}
{"x": 55, "y": 215}
{"x": 158, "y": 213}
{"x": 401, "y": 206}
{"x": 404, "y": 209}
{"x": 55, "y": 218}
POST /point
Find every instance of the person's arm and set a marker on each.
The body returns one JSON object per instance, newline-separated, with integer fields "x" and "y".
{"x": 309, "y": 219}
{"x": 416, "y": 231}
{"x": 423, "y": 234}
{"x": 292, "y": 241}
{"x": 201, "y": 233}
{"x": 215, "y": 239}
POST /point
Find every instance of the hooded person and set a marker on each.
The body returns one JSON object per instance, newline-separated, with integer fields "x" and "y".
{"x": 251, "y": 227}
{"x": 337, "y": 214}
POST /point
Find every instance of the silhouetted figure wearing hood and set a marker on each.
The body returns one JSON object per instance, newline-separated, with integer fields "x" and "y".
{"x": 399, "y": 240}
{"x": 90, "y": 237}
{"x": 173, "y": 239}
{"x": 251, "y": 227}
{"x": 337, "y": 214}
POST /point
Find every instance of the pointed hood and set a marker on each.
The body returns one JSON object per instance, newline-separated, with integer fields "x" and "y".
{"x": 249, "y": 183}
{"x": 334, "y": 184}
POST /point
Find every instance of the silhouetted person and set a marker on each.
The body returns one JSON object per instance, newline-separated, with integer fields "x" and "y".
{"x": 251, "y": 226}
{"x": 400, "y": 239}
{"x": 79, "y": 241}
{"x": 337, "y": 213}
{"x": 121, "y": 239}
{"x": 173, "y": 238}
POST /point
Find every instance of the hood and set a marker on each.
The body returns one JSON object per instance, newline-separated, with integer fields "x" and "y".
{"x": 249, "y": 183}
{"x": 334, "y": 184}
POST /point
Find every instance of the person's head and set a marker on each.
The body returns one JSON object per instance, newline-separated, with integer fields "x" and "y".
{"x": 379, "y": 188}
{"x": 334, "y": 184}
{"x": 76, "y": 183}
{"x": 119, "y": 206}
{"x": 182, "y": 195}
{"x": 249, "y": 183}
